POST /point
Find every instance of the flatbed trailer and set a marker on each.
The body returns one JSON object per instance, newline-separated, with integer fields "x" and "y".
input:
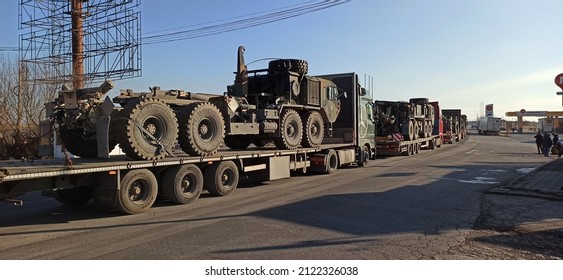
{"x": 132, "y": 186}
{"x": 389, "y": 147}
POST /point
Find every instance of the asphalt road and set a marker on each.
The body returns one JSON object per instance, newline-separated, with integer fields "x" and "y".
{"x": 419, "y": 207}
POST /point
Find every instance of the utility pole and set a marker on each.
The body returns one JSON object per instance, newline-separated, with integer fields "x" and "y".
{"x": 77, "y": 45}
{"x": 19, "y": 100}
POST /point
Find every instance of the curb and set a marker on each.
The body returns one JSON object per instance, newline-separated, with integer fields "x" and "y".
{"x": 511, "y": 187}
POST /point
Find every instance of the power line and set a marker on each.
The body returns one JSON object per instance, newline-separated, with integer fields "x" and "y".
{"x": 8, "y": 49}
{"x": 230, "y": 24}
{"x": 237, "y": 23}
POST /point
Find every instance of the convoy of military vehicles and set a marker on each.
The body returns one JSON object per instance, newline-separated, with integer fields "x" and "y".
{"x": 176, "y": 143}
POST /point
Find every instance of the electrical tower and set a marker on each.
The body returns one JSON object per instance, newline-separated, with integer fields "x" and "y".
{"x": 80, "y": 41}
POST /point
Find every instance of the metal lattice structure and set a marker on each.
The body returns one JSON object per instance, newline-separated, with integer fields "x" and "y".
{"x": 110, "y": 40}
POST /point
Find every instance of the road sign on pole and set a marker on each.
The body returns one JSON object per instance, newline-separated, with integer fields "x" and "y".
{"x": 559, "y": 80}
{"x": 489, "y": 110}
{"x": 559, "y": 83}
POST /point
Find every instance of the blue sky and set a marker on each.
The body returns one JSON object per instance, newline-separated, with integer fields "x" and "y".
{"x": 462, "y": 53}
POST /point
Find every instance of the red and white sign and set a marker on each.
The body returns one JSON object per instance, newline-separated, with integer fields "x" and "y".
{"x": 559, "y": 80}
{"x": 489, "y": 110}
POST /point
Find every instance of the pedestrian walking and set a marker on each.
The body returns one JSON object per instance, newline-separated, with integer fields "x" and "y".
{"x": 539, "y": 142}
{"x": 547, "y": 143}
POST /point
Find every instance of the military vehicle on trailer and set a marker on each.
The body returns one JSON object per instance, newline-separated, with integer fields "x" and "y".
{"x": 280, "y": 104}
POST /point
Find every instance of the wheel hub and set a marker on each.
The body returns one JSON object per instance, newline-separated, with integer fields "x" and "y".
{"x": 314, "y": 130}
{"x": 203, "y": 129}
{"x": 151, "y": 128}
{"x": 290, "y": 131}
{"x": 185, "y": 184}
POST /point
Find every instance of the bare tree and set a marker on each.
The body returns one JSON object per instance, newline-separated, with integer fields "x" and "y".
{"x": 22, "y": 109}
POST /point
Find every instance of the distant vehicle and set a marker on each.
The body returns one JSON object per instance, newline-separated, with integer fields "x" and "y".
{"x": 405, "y": 128}
{"x": 454, "y": 125}
{"x": 546, "y": 125}
{"x": 490, "y": 126}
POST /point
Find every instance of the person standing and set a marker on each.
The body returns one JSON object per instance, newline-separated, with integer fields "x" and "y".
{"x": 539, "y": 141}
{"x": 547, "y": 143}
{"x": 555, "y": 140}
{"x": 559, "y": 149}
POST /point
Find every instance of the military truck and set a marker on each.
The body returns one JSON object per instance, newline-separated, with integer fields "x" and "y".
{"x": 405, "y": 128}
{"x": 280, "y": 104}
{"x": 454, "y": 125}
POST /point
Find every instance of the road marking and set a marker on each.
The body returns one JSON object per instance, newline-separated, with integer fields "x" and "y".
{"x": 525, "y": 170}
{"x": 471, "y": 152}
{"x": 480, "y": 180}
{"x": 494, "y": 170}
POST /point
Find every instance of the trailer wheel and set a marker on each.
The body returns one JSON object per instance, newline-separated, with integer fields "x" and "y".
{"x": 221, "y": 178}
{"x": 291, "y": 130}
{"x": 408, "y": 152}
{"x": 75, "y": 196}
{"x": 416, "y": 148}
{"x": 236, "y": 142}
{"x": 202, "y": 129}
{"x": 331, "y": 161}
{"x": 182, "y": 184}
{"x": 313, "y": 130}
{"x": 137, "y": 193}
{"x": 156, "y": 118}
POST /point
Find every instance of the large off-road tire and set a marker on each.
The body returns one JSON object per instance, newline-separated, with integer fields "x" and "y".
{"x": 155, "y": 117}
{"x": 291, "y": 130}
{"x": 419, "y": 100}
{"x": 431, "y": 113}
{"x": 75, "y": 144}
{"x": 415, "y": 132}
{"x": 137, "y": 193}
{"x": 408, "y": 131}
{"x": 236, "y": 142}
{"x": 182, "y": 184}
{"x": 430, "y": 128}
{"x": 221, "y": 178}
{"x": 202, "y": 129}
{"x": 313, "y": 131}
{"x": 299, "y": 66}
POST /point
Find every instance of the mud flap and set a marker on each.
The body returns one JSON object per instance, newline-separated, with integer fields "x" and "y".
{"x": 102, "y": 136}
